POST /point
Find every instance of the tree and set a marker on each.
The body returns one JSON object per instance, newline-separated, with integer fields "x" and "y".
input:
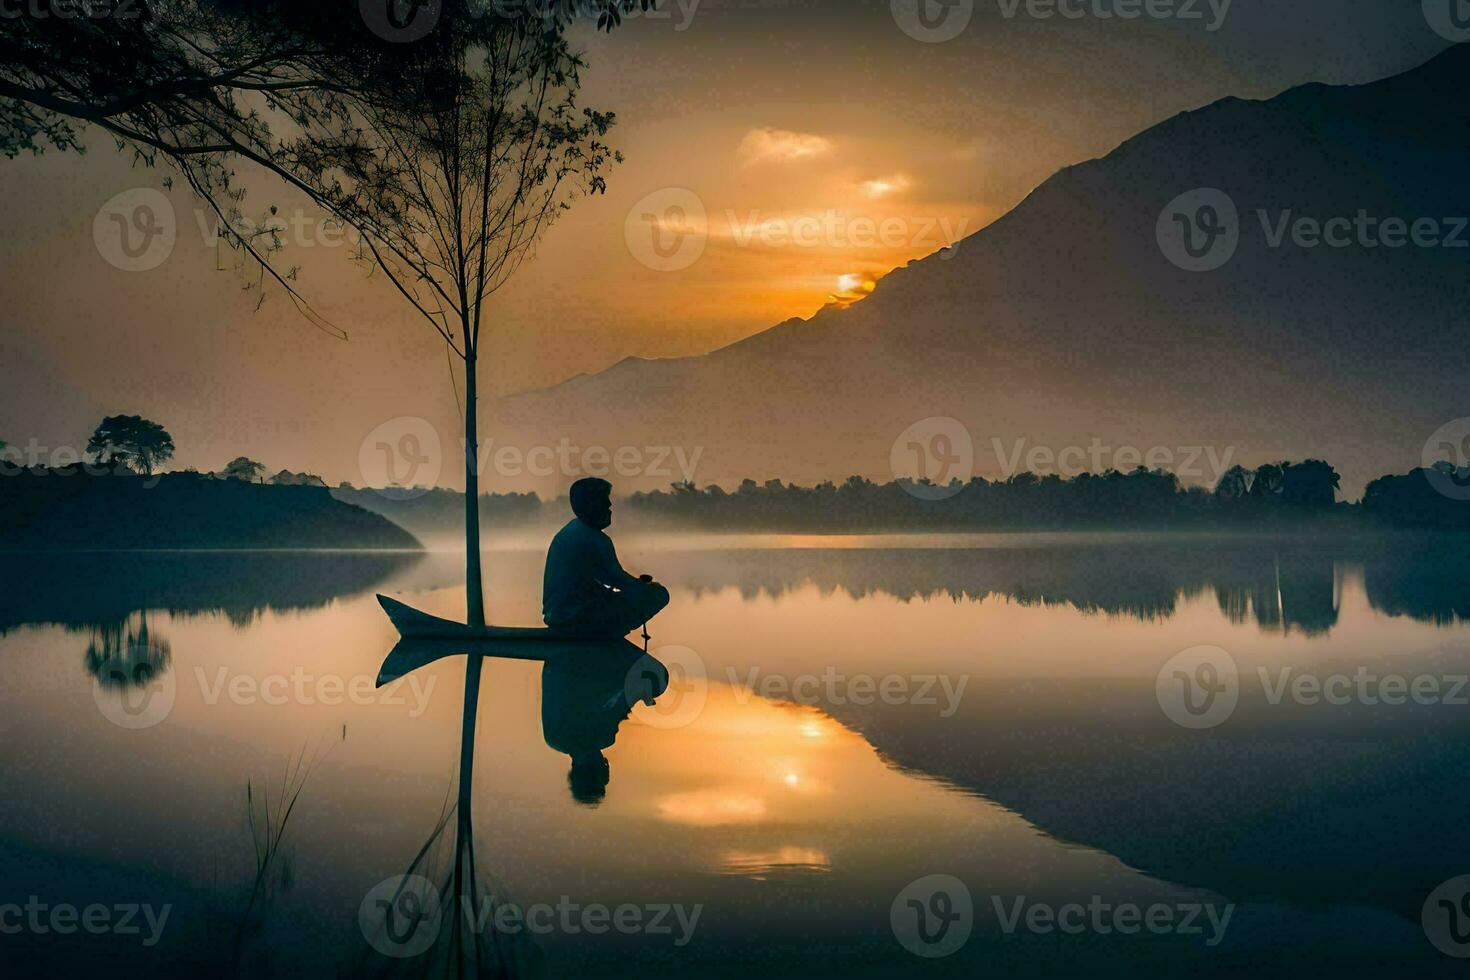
{"x": 243, "y": 468}
{"x": 1267, "y": 482}
{"x": 1310, "y": 483}
{"x": 449, "y": 154}
{"x": 207, "y": 84}
{"x": 1235, "y": 483}
{"x": 452, "y": 188}
{"x": 133, "y": 441}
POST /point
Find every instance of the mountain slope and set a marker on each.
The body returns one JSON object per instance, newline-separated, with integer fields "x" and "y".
{"x": 1064, "y": 320}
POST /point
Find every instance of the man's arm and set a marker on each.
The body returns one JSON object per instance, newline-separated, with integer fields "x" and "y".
{"x": 609, "y": 570}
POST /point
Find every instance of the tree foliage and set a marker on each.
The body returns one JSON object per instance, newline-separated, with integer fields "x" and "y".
{"x": 131, "y": 441}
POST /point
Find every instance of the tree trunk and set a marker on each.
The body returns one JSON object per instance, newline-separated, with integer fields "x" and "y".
{"x": 474, "y": 610}
{"x": 474, "y": 592}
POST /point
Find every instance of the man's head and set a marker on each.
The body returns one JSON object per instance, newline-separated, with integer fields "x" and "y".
{"x": 592, "y": 501}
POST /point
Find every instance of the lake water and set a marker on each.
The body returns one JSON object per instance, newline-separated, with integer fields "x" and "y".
{"x": 951, "y": 756}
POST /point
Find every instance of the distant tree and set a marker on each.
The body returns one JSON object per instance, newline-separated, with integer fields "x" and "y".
{"x": 133, "y": 441}
{"x": 1267, "y": 482}
{"x": 1235, "y": 484}
{"x": 286, "y": 478}
{"x": 243, "y": 468}
{"x": 1311, "y": 483}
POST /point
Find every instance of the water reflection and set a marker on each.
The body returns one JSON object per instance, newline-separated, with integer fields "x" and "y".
{"x": 103, "y": 589}
{"x": 441, "y": 912}
{"x": 1280, "y": 585}
{"x": 587, "y": 692}
{"x": 122, "y": 655}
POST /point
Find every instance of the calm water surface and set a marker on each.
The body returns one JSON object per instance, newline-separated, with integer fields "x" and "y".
{"x": 845, "y": 719}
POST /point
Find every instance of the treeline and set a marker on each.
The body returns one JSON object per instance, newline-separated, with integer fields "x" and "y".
{"x": 82, "y": 508}
{"x": 1285, "y": 493}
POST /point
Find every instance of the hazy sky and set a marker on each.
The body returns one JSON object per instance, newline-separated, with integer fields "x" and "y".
{"x": 823, "y": 143}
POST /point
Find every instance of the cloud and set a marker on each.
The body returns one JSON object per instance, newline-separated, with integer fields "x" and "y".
{"x": 880, "y": 187}
{"x": 781, "y": 146}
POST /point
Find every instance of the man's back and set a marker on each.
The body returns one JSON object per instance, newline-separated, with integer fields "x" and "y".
{"x": 580, "y": 566}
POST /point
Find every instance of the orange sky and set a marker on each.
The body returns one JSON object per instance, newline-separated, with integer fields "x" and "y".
{"x": 824, "y": 146}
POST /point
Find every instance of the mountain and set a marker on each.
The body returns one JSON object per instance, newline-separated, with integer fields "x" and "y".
{"x": 1065, "y": 321}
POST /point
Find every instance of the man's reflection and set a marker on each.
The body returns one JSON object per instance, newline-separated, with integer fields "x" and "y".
{"x": 586, "y": 692}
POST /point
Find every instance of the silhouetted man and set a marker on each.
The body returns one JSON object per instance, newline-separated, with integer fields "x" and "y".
{"x": 586, "y": 592}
